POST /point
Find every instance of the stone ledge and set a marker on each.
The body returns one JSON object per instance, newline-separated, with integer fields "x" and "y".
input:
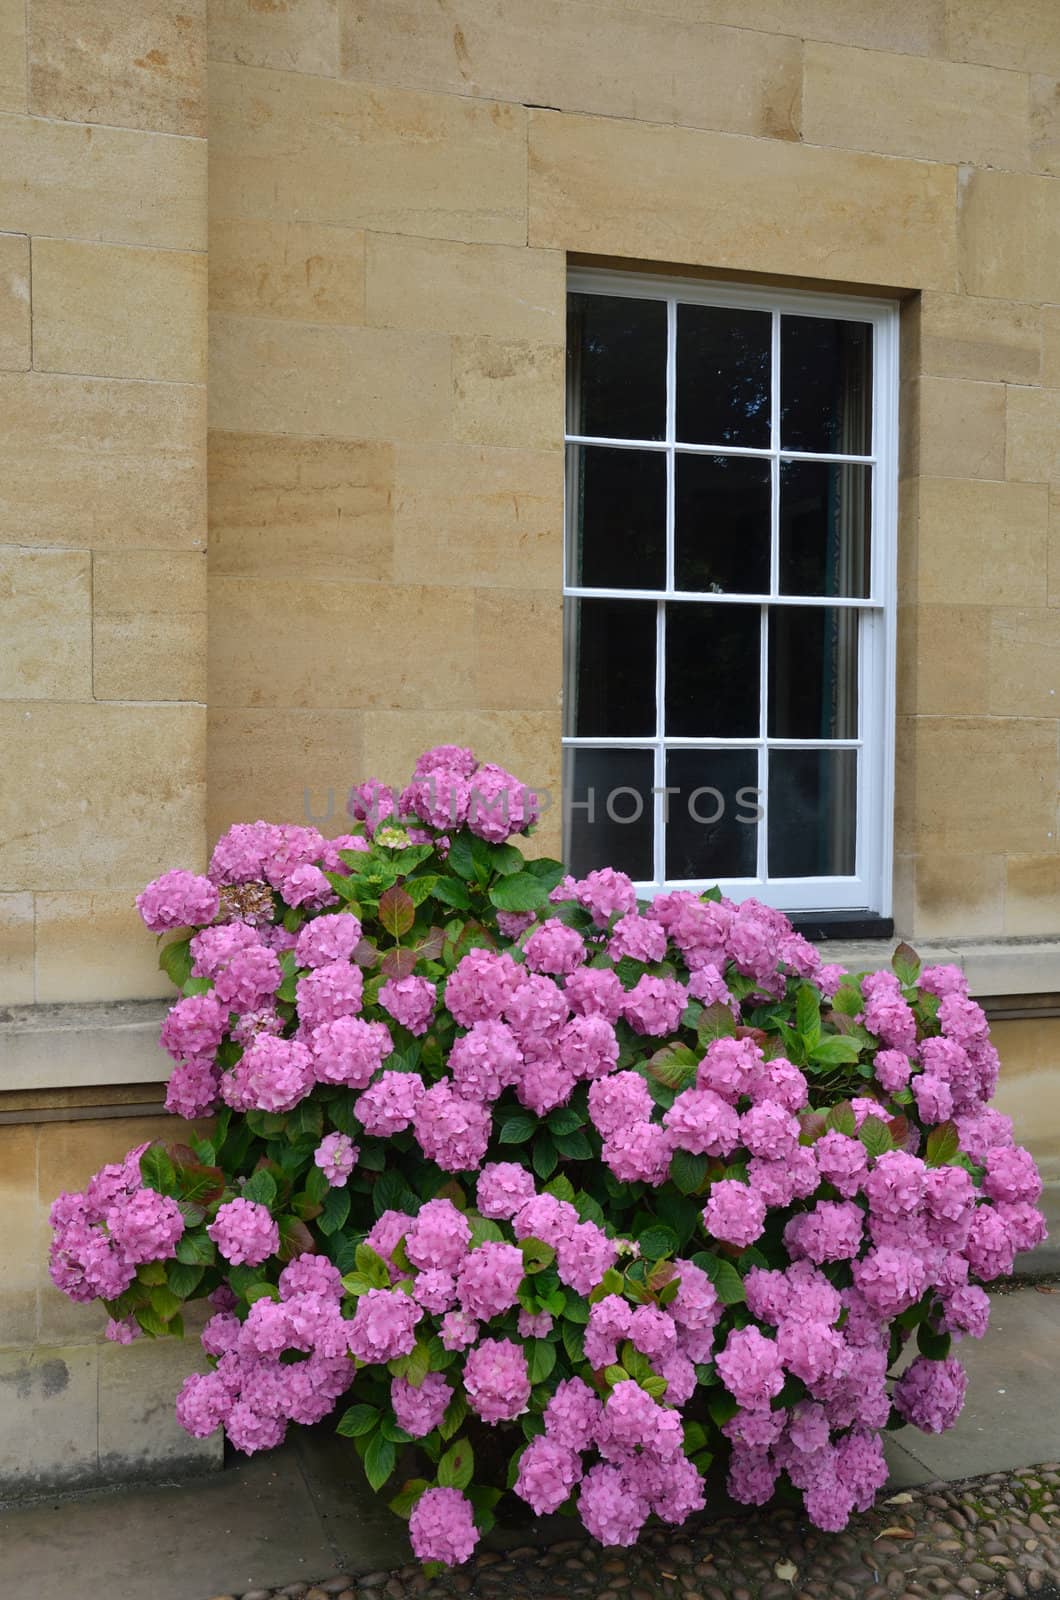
{"x": 995, "y": 967}
{"x": 69, "y": 1046}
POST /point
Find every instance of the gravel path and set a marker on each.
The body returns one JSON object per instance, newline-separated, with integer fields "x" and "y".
{"x": 984, "y": 1539}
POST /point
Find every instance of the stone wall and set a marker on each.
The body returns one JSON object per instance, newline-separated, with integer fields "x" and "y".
{"x": 102, "y": 482}
{"x": 396, "y": 190}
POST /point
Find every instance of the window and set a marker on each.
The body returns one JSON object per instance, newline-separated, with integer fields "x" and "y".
{"x": 729, "y": 589}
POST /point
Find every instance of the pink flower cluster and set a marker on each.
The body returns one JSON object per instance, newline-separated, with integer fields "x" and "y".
{"x": 101, "y": 1234}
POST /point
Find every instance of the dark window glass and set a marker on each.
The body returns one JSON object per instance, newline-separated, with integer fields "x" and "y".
{"x": 711, "y": 830}
{"x": 813, "y": 672}
{"x": 826, "y": 385}
{"x": 616, "y": 356}
{"x": 721, "y": 531}
{"x": 723, "y": 364}
{"x": 610, "y": 650}
{"x": 617, "y": 506}
{"x": 712, "y": 670}
{"x": 824, "y": 528}
{"x": 608, "y": 815}
{"x": 812, "y": 813}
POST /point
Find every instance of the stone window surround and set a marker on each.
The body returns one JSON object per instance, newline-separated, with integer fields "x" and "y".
{"x": 47, "y": 1048}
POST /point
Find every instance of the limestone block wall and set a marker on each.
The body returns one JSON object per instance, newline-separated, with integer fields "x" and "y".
{"x": 396, "y": 190}
{"x": 102, "y": 482}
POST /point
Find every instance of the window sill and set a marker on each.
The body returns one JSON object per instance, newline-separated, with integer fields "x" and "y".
{"x": 74, "y": 1046}
{"x": 995, "y": 968}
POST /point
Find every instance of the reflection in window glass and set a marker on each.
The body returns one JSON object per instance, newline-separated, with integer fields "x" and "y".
{"x": 824, "y": 528}
{"x": 711, "y": 830}
{"x": 723, "y": 364}
{"x": 607, "y": 815}
{"x": 616, "y": 500}
{"x": 813, "y": 672}
{"x": 610, "y": 656}
{"x": 616, "y": 353}
{"x": 721, "y": 524}
{"x": 712, "y": 670}
{"x": 826, "y": 385}
{"x": 812, "y": 813}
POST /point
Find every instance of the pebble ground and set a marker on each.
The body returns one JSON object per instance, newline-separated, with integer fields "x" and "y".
{"x": 991, "y": 1538}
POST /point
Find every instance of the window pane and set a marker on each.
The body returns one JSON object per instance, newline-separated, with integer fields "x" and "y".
{"x": 617, "y": 505}
{"x": 712, "y": 670}
{"x": 610, "y": 654}
{"x": 824, "y": 528}
{"x": 607, "y": 811}
{"x": 723, "y": 376}
{"x": 616, "y": 358}
{"x": 826, "y": 385}
{"x": 813, "y": 672}
{"x": 722, "y": 524}
{"x": 711, "y": 830}
{"x": 812, "y": 815}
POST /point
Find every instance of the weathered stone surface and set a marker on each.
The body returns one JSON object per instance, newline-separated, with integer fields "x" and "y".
{"x": 962, "y": 336}
{"x": 982, "y": 543}
{"x": 46, "y": 624}
{"x": 673, "y": 194}
{"x": 434, "y": 285}
{"x": 286, "y": 146}
{"x": 133, "y": 63}
{"x": 69, "y": 182}
{"x": 1009, "y": 232}
{"x": 94, "y": 947}
{"x": 149, "y": 625}
{"x": 116, "y": 311}
{"x": 656, "y": 67}
{"x": 303, "y": 37}
{"x": 298, "y": 270}
{"x": 12, "y": 55}
{"x": 16, "y": 949}
{"x": 904, "y": 106}
{"x": 14, "y": 302}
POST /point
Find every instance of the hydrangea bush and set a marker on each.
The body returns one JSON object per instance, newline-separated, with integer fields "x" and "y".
{"x": 560, "y": 1195}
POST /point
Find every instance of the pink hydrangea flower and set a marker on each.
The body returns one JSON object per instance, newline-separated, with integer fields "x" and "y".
{"x": 349, "y": 1051}
{"x": 410, "y": 1001}
{"x": 488, "y": 1279}
{"x": 735, "y": 1212}
{"x": 497, "y": 1381}
{"x": 336, "y": 1156}
{"x": 384, "y": 1325}
{"x": 603, "y": 892}
{"x": 930, "y": 1394}
{"x": 842, "y": 1161}
{"x": 619, "y": 1101}
{"x": 420, "y": 1410}
{"x": 333, "y": 990}
{"x": 194, "y": 1028}
{"x": 243, "y": 1231}
{"x": 554, "y": 948}
{"x": 503, "y": 1186}
{"x": 750, "y": 1367}
{"x": 178, "y": 900}
{"x": 588, "y": 1047}
{"x": 440, "y": 1236}
{"x": 702, "y": 1122}
{"x": 389, "y": 1104}
{"x": 639, "y": 1153}
{"x": 451, "y": 1130}
{"x": 655, "y": 1005}
{"x": 272, "y": 1075}
{"x": 326, "y": 939}
{"x": 485, "y": 1060}
{"x": 595, "y": 992}
{"x": 480, "y": 986}
{"x": 574, "y": 1414}
{"x": 610, "y": 1508}
{"x": 639, "y": 938}
{"x": 442, "y": 1527}
{"x": 548, "y": 1471}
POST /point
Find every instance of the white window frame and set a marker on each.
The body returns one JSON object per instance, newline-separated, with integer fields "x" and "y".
{"x": 870, "y": 887}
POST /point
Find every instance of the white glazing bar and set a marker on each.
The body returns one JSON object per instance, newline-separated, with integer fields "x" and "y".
{"x": 683, "y": 741}
{"x": 762, "y": 452}
{"x": 762, "y": 827}
{"x": 708, "y": 597}
{"x": 659, "y": 747}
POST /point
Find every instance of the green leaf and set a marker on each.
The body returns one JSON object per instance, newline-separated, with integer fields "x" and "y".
{"x": 414, "y": 1367}
{"x": 260, "y": 1187}
{"x": 657, "y": 1241}
{"x": 451, "y": 892}
{"x": 183, "y": 1278}
{"x": 549, "y": 872}
{"x": 715, "y": 1022}
{"x": 722, "y": 1407}
{"x": 196, "y": 1249}
{"x": 158, "y": 1171}
{"x": 397, "y": 911}
{"x": 544, "y": 1155}
{"x": 655, "y": 1386}
{"x": 455, "y": 1413}
{"x": 372, "y": 1266}
{"x": 175, "y": 961}
{"x": 151, "y": 1323}
{"x": 460, "y": 857}
{"x": 934, "y": 1345}
{"x": 612, "y": 1282}
{"x": 561, "y": 1188}
{"x": 848, "y": 999}
{"x": 261, "y": 1291}
{"x": 906, "y": 965}
{"x": 521, "y": 892}
{"x": 573, "y": 1342}
{"x": 808, "y": 1015}
{"x": 565, "y": 1119}
{"x": 518, "y": 1129}
{"x": 380, "y": 1458}
{"x": 164, "y": 1301}
{"x": 196, "y": 986}
{"x": 688, "y": 1171}
{"x": 503, "y": 858}
{"x": 536, "y": 1255}
{"x": 418, "y": 889}
{"x": 943, "y": 1144}
{"x": 674, "y": 1066}
{"x": 841, "y": 1119}
{"x": 307, "y": 1119}
{"x": 834, "y": 1050}
{"x": 457, "y": 1466}
{"x": 875, "y": 1135}
{"x": 728, "y": 1285}
{"x": 404, "y": 1501}
{"x": 574, "y": 1146}
{"x": 483, "y": 1230}
{"x": 335, "y": 1210}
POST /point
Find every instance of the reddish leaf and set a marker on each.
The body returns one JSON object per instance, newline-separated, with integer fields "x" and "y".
{"x": 660, "y": 1275}
{"x": 366, "y": 953}
{"x": 813, "y": 1126}
{"x": 899, "y": 1127}
{"x": 399, "y": 963}
{"x": 759, "y": 1035}
{"x": 430, "y": 948}
{"x": 396, "y": 911}
{"x": 201, "y": 1184}
{"x": 295, "y": 1238}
